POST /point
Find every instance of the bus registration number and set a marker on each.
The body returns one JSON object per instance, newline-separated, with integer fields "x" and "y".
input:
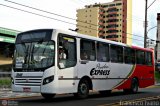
{"x": 26, "y": 89}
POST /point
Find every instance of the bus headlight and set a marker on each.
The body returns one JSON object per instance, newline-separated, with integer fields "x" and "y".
{"x": 48, "y": 79}
{"x": 12, "y": 80}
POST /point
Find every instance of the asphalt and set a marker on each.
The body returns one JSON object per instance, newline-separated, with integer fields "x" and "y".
{"x": 7, "y": 93}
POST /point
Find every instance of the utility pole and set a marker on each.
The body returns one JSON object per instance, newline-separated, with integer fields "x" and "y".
{"x": 145, "y": 25}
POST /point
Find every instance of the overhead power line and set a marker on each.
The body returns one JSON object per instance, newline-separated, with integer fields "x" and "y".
{"x": 54, "y": 18}
{"x": 48, "y": 12}
{"x": 58, "y": 19}
{"x": 44, "y": 16}
{"x": 151, "y": 4}
{"x": 57, "y": 14}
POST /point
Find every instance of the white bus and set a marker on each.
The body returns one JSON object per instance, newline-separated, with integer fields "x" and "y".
{"x": 51, "y": 61}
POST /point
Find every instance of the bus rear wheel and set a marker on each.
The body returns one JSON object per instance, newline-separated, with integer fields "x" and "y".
{"x": 134, "y": 86}
{"x": 47, "y": 96}
{"x": 83, "y": 90}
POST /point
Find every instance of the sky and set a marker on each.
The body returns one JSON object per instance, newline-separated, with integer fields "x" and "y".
{"x": 22, "y": 21}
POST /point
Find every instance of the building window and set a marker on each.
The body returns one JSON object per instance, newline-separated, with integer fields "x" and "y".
{"x": 112, "y": 15}
{"x": 105, "y": 6}
{"x": 112, "y": 31}
{"x": 112, "y": 36}
{"x": 111, "y": 5}
{"x": 112, "y": 20}
{"x": 112, "y": 26}
{"x": 113, "y": 10}
{"x": 118, "y": 4}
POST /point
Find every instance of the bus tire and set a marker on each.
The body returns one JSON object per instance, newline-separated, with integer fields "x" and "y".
{"x": 105, "y": 92}
{"x": 47, "y": 96}
{"x": 134, "y": 86}
{"x": 83, "y": 90}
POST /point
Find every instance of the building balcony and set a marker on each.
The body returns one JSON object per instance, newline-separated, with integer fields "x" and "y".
{"x": 100, "y": 28}
{"x": 113, "y": 39}
{"x": 101, "y": 13}
{"x": 114, "y": 28}
{"x": 112, "y": 18}
{"x": 101, "y": 23}
{"x": 100, "y": 34}
{"x": 100, "y": 18}
{"x": 101, "y": 8}
{"x": 110, "y": 23}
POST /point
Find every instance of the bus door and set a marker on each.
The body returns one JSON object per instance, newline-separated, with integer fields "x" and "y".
{"x": 67, "y": 59}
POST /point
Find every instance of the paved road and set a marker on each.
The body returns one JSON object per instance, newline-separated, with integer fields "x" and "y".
{"x": 148, "y": 97}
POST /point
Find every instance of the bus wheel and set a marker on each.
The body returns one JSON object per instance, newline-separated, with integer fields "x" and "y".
{"x": 134, "y": 85}
{"x": 105, "y": 92}
{"x": 83, "y": 89}
{"x": 47, "y": 96}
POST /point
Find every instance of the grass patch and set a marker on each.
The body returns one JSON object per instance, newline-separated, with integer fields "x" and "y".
{"x": 5, "y": 81}
{"x": 157, "y": 76}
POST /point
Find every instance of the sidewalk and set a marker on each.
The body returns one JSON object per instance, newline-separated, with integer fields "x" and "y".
{"x": 8, "y": 94}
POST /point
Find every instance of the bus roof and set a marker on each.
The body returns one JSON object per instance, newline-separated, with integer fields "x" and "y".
{"x": 102, "y": 40}
{"x": 92, "y": 38}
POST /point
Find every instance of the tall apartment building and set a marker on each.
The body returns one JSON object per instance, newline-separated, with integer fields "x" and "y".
{"x": 108, "y": 20}
{"x": 158, "y": 38}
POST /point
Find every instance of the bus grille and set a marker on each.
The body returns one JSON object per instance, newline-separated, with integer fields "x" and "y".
{"x": 28, "y": 81}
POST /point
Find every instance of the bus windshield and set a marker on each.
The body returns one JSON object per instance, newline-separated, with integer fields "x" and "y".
{"x": 34, "y": 55}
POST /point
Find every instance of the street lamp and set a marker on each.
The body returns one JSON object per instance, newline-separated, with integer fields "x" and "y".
{"x": 151, "y": 29}
{"x": 147, "y": 43}
{"x": 145, "y": 23}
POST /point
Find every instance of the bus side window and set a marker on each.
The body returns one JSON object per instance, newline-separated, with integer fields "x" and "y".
{"x": 67, "y": 51}
{"x": 129, "y": 56}
{"x": 148, "y": 58}
{"x": 102, "y": 52}
{"x": 87, "y": 50}
{"x": 116, "y": 53}
{"x": 140, "y": 57}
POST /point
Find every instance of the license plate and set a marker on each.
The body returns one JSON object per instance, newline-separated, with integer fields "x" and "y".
{"x": 26, "y": 89}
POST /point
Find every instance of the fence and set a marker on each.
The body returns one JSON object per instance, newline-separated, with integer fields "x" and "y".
{"x": 5, "y": 74}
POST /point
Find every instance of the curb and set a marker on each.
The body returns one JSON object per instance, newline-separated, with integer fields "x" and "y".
{"x": 157, "y": 84}
{"x": 12, "y": 98}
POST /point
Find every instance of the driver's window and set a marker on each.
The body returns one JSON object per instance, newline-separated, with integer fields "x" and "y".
{"x": 66, "y": 51}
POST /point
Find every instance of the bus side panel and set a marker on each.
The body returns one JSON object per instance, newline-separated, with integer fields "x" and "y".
{"x": 145, "y": 75}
